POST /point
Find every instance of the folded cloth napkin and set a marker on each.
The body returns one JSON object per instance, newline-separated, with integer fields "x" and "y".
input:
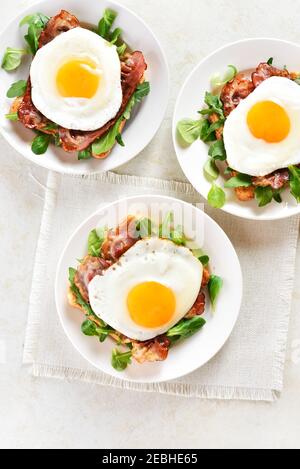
{"x": 250, "y": 366}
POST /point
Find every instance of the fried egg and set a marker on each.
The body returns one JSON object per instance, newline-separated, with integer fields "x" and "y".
{"x": 263, "y": 133}
{"x": 149, "y": 290}
{"x": 76, "y": 80}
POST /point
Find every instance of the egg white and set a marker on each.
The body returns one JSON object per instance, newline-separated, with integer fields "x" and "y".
{"x": 77, "y": 113}
{"x": 255, "y": 157}
{"x": 149, "y": 260}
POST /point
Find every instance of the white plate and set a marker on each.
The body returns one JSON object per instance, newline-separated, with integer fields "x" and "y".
{"x": 244, "y": 55}
{"x": 194, "y": 352}
{"x": 142, "y": 126}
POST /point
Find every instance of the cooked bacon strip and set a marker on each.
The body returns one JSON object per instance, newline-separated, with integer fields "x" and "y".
{"x": 276, "y": 180}
{"x": 88, "y": 269}
{"x": 118, "y": 241}
{"x": 30, "y": 116}
{"x": 152, "y": 350}
{"x": 198, "y": 308}
{"x": 58, "y": 24}
{"x": 205, "y": 278}
{"x": 234, "y": 91}
{"x": 265, "y": 71}
{"x": 132, "y": 72}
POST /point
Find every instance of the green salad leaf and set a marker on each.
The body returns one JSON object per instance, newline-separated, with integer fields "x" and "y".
{"x": 37, "y": 19}
{"x": 142, "y": 90}
{"x": 217, "y": 150}
{"x": 277, "y": 196}
{"x": 270, "y": 61}
{"x": 95, "y": 241}
{"x": 208, "y": 130}
{"x": 214, "y": 288}
{"x": 177, "y": 236}
{"x": 144, "y": 228}
{"x": 218, "y": 80}
{"x": 120, "y": 360}
{"x": 264, "y": 195}
{"x": 80, "y": 301}
{"x": 105, "y": 24}
{"x": 85, "y": 154}
{"x": 214, "y": 104}
{"x": 185, "y": 329}
{"x": 36, "y": 23}
{"x": 12, "y": 58}
{"x": 91, "y": 329}
{"x": 119, "y": 140}
{"x": 204, "y": 260}
{"x": 167, "y": 230}
{"x": 122, "y": 49}
{"x": 189, "y": 130}
{"x": 166, "y": 226}
{"x": 13, "y": 116}
{"x": 295, "y": 182}
{"x": 40, "y": 143}
{"x": 107, "y": 141}
{"x": 228, "y": 171}
{"x": 50, "y": 126}
{"x": 216, "y": 197}
{"x": 115, "y": 35}
{"x": 211, "y": 171}
{"x": 17, "y": 89}
{"x": 241, "y": 180}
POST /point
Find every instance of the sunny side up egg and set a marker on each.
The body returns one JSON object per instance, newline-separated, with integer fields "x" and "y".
{"x": 149, "y": 290}
{"x": 76, "y": 80}
{"x": 263, "y": 133}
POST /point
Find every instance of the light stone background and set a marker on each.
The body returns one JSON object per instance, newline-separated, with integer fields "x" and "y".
{"x": 42, "y": 413}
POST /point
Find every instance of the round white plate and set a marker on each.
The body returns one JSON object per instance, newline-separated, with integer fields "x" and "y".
{"x": 190, "y": 354}
{"x": 142, "y": 126}
{"x": 244, "y": 55}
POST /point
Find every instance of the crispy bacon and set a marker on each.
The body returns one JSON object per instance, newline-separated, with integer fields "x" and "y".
{"x": 205, "y": 278}
{"x": 118, "y": 241}
{"x": 152, "y": 350}
{"x": 132, "y": 72}
{"x": 234, "y": 91}
{"x": 58, "y": 24}
{"x": 265, "y": 71}
{"x": 276, "y": 180}
{"x": 88, "y": 269}
{"x": 28, "y": 113}
{"x": 198, "y": 308}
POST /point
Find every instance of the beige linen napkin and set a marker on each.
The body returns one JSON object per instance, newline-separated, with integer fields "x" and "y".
{"x": 250, "y": 366}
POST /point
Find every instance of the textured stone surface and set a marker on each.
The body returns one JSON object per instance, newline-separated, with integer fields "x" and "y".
{"x": 44, "y": 413}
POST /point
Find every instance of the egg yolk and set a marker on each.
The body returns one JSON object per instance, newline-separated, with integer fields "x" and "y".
{"x": 269, "y": 121}
{"x": 78, "y": 78}
{"x": 151, "y": 304}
